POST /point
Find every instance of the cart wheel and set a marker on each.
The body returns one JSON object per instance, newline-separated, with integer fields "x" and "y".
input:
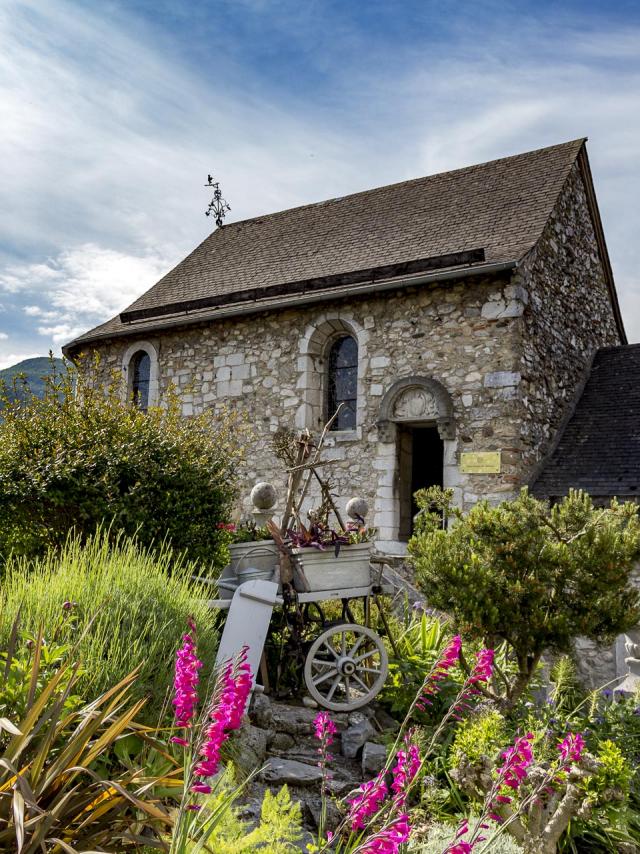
{"x": 346, "y": 667}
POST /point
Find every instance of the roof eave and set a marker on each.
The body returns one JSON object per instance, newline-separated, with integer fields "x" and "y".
{"x": 187, "y": 318}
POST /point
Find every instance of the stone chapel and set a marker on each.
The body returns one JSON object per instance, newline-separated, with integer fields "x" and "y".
{"x": 467, "y": 321}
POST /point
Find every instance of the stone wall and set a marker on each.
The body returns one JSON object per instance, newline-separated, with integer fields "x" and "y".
{"x": 568, "y": 316}
{"x": 271, "y": 367}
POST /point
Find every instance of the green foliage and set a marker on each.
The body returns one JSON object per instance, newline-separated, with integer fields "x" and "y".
{"x": 22, "y": 680}
{"x": 533, "y": 575}
{"x": 127, "y": 608}
{"x": 277, "y": 832}
{"x": 81, "y": 456}
{"x": 419, "y": 641}
{"x": 478, "y": 738}
{"x": 613, "y": 771}
{"x": 50, "y": 760}
{"x": 435, "y": 839}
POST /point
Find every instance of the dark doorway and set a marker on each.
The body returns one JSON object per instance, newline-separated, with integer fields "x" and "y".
{"x": 420, "y": 460}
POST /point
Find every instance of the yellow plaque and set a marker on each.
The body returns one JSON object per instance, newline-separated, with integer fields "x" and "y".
{"x": 480, "y": 462}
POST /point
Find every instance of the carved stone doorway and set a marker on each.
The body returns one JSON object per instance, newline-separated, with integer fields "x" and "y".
{"x": 416, "y": 449}
{"x": 420, "y": 465}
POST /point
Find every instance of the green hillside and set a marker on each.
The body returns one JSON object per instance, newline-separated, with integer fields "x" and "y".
{"x": 33, "y": 370}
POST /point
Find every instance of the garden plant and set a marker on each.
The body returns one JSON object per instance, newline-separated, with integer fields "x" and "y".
{"x": 82, "y": 457}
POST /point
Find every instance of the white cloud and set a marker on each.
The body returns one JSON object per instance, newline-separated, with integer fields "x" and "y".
{"x": 83, "y": 286}
{"x": 8, "y": 359}
{"x": 3, "y": 336}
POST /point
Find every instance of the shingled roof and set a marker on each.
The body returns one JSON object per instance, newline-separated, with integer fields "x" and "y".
{"x": 469, "y": 220}
{"x": 599, "y": 450}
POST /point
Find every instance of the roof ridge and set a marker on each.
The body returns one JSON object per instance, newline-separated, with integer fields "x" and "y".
{"x": 578, "y": 142}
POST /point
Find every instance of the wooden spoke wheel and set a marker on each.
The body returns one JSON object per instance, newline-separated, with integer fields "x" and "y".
{"x": 346, "y": 667}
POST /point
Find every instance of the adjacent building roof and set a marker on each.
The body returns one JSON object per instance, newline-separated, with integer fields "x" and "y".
{"x": 599, "y": 449}
{"x": 468, "y": 220}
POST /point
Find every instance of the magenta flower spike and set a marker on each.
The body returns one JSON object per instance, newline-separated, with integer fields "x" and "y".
{"x": 513, "y": 771}
{"x": 185, "y": 683}
{"x": 407, "y": 766}
{"x": 448, "y": 659}
{"x": 390, "y": 838}
{"x": 366, "y": 802}
{"x": 324, "y": 728}
{"x": 571, "y": 748}
{"x": 225, "y": 714}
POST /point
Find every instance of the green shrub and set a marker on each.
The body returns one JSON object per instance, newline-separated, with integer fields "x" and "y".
{"x": 127, "y": 607}
{"x": 82, "y": 456}
{"x": 532, "y": 575}
{"x": 479, "y": 738}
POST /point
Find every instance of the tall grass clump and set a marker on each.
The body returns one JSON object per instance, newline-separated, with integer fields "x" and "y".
{"x": 124, "y": 605}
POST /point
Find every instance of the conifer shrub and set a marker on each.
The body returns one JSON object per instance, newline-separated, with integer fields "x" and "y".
{"x": 533, "y": 575}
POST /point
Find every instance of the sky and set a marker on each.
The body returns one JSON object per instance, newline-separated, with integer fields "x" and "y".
{"x": 112, "y": 114}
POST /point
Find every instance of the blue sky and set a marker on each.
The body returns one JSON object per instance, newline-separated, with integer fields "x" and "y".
{"x": 113, "y": 112}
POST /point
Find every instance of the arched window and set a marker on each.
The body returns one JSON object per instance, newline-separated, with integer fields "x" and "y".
{"x": 343, "y": 382}
{"x": 140, "y": 367}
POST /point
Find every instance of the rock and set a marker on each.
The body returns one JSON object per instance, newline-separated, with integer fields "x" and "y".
{"x": 291, "y": 772}
{"x": 386, "y": 722}
{"x": 261, "y": 712}
{"x": 281, "y": 741}
{"x": 253, "y": 744}
{"x": 333, "y": 814}
{"x": 355, "y": 736}
{"x": 298, "y": 720}
{"x": 374, "y": 757}
{"x": 309, "y": 702}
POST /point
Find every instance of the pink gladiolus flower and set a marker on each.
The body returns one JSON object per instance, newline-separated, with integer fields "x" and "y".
{"x": 406, "y": 768}
{"x": 483, "y": 668}
{"x": 369, "y": 796}
{"x": 186, "y": 679}
{"x": 324, "y": 727}
{"x": 390, "y": 838}
{"x": 447, "y": 660}
{"x": 227, "y": 708}
{"x": 571, "y": 747}
{"x": 202, "y": 788}
{"x": 177, "y": 740}
{"x": 513, "y": 771}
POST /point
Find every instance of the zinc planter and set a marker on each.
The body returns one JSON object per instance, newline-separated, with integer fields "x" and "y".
{"x": 322, "y": 570}
{"x": 249, "y": 561}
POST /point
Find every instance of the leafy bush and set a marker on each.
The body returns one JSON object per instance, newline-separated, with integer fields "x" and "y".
{"x": 479, "y": 738}
{"x": 81, "y": 456}
{"x": 532, "y": 575}
{"x": 126, "y": 608}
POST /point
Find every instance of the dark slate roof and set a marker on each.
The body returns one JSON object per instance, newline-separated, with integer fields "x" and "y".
{"x": 599, "y": 450}
{"x": 500, "y": 207}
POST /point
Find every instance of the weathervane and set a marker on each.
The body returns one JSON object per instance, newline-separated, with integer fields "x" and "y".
{"x": 217, "y": 205}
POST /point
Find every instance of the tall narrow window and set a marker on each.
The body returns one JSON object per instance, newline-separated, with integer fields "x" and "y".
{"x": 140, "y": 366}
{"x": 343, "y": 382}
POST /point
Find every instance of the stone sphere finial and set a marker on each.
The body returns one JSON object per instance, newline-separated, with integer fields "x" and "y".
{"x": 263, "y": 496}
{"x": 357, "y": 509}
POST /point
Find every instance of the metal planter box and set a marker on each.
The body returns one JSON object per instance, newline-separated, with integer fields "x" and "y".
{"x": 322, "y": 570}
{"x": 249, "y": 561}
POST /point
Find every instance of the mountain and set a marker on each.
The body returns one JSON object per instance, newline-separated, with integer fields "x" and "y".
{"x": 33, "y": 370}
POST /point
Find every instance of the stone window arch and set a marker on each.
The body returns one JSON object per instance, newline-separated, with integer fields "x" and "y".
{"x": 339, "y": 338}
{"x": 140, "y": 370}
